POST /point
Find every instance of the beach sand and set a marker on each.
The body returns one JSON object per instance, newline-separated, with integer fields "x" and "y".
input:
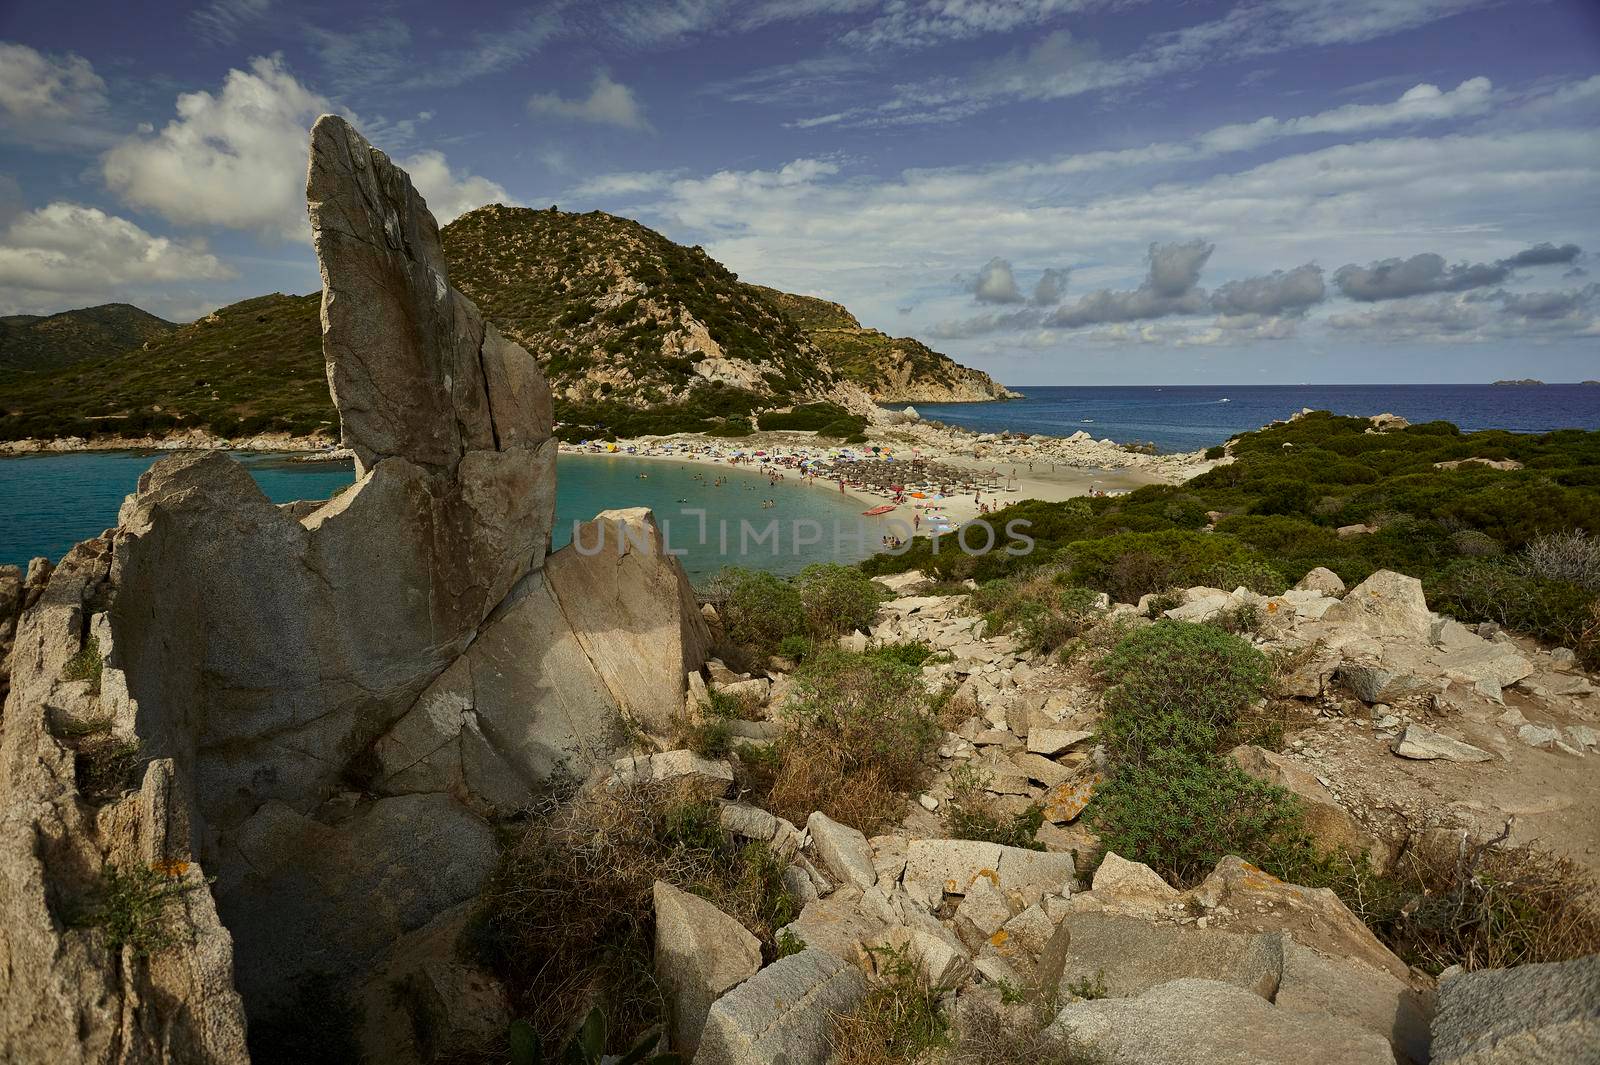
{"x": 1046, "y": 481}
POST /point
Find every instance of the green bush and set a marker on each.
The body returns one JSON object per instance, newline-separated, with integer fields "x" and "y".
{"x": 759, "y": 609}
{"x": 1180, "y": 812}
{"x": 1494, "y": 589}
{"x": 1177, "y": 686}
{"x": 837, "y": 599}
{"x": 1039, "y": 607}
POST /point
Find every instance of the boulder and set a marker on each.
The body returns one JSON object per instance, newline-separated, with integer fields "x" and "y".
{"x": 844, "y": 850}
{"x": 1385, "y": 605}
{"x": 1120, "y": 882}
{"x": 902, "y": 584}
{"x": 1321, "y": 579}
{"x": 936, "y": 867}
{"x": 700, "y": 954}
{"x": 786, "y": 1012}
{"x": 631, "y": 609}
{"x": 1206, "y": 1022}
{"x": 1422, "y": 743}
{"x": 1130, "y": 954}
{"x": 344, "y": 885}
{"x": 1529, "y": 1015}
{"x": 1372, "y": 683}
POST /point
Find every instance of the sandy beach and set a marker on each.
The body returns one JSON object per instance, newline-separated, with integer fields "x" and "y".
{"x": 990, "y": 481}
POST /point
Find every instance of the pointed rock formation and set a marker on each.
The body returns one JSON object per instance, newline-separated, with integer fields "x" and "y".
{"x": 321, "y": 704}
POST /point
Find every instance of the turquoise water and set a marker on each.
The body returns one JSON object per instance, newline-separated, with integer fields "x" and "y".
{"x": 53, "y": 501}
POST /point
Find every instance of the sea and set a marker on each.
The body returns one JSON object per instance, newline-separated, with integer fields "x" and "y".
{"x": 49, "y": 502}
{"x": 1190, "y": 417}
{"x": 713, "y": 515}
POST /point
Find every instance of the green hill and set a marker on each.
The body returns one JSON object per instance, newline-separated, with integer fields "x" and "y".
{"x": 252, "y": 367}
{"x": 637, "y": 335}
{"x": 32, "y": 342}
{"x": 891, "y": 369}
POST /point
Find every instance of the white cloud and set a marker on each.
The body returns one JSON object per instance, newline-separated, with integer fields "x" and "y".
{"x": 609, "y": 103}
{"x": 450, "y": 195}
{"x": 1060, "y": 64}
{"x": 237, "y": 159}
{"x": 1420, "y": 103}
{"x": 221, "y": 21}
{"x": 50, "y": 101}
{"x": 919, "y": 25}
{"x": 67, "y": 254}
{"x": 996, "y": 284}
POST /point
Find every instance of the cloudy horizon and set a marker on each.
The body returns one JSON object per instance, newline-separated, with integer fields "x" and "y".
{"x": 1054, "y": 191}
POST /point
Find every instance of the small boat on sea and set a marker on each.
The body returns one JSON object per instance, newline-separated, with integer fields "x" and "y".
{"x": 880, "y": 509}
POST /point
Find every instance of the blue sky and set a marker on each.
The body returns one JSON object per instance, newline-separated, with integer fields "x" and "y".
{"x": 1057, "y": 191}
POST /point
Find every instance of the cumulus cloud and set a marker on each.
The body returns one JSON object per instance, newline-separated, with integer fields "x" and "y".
{"x": 50, "y": 101}
{"x": 1392, "y": 279}
{"x": 237, "y": 159}
{"x": 1049, "y": 289}
{"x": 449, "y": 194}
{"x": 1477, "y": 317}
{"x": 1427, "y": 273}
{"x": 65, "y": 253}
{"x": 1170, "y": 287}
{"x": 996, "y": 283}
{"x": 983, "y": 324}
{"x": 1544, "y": 254}
{"x": 1278, "y": 293}
{"x": 609, "y": 103}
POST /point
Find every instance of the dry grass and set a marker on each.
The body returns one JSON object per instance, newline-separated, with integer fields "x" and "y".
{"x": 1478, "y": 905}
{"x": 859, "y": 733}
{"x": 898, "y": 1023}
{"x": 570, "y": 916}
{"x": 991, "y": 1038}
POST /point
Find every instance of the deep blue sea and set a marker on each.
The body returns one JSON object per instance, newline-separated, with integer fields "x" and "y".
{"x": 53, "y": 501}
{"x": 1187, "y": 417}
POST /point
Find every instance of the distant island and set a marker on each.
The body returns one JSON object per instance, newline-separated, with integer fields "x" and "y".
{"x": 1523, "y": 381}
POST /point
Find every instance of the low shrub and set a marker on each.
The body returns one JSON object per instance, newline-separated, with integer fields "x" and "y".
{"x": 1039, "y": 607}
{"x": 898, "y": 1021}
{"x": 132, "y": 906}
{"x": 837, "y": 599}
{"x": 758, "y": 609}
{"x": 860, "y": 729}
{"x": 1500, "y": 590}
{"x": 1180, "y": 812}
{"x": 972, "y": 813}
{"x": 1177, "y": 686}
{"x": 1483, "y": 905}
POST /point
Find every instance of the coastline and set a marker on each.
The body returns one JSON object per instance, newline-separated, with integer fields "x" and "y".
{"x": 1044, "y": 468}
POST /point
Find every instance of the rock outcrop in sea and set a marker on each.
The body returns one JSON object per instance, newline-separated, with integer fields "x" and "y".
{"x": 296, "y": 719}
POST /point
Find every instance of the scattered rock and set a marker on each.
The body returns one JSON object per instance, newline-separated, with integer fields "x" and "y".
{"x": 705, "y": 777}
{"x": 700, "y": 954}
{"x": 1422, "y": 743}
{"x": 844, "y": 850}
{"x": 1321, "y": 579}
{"x": 785, "y": 1012}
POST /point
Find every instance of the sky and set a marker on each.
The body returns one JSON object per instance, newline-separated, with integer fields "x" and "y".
{"x": 1055, "y": 191}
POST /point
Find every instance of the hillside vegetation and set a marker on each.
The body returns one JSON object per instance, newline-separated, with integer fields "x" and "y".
{"x": 1464, "y": 531}
{"x": 32, "y": 342}
{"x": 637, "y": 335}
{"x": 890, "y": 369}
{"x": 253, "y": 367}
